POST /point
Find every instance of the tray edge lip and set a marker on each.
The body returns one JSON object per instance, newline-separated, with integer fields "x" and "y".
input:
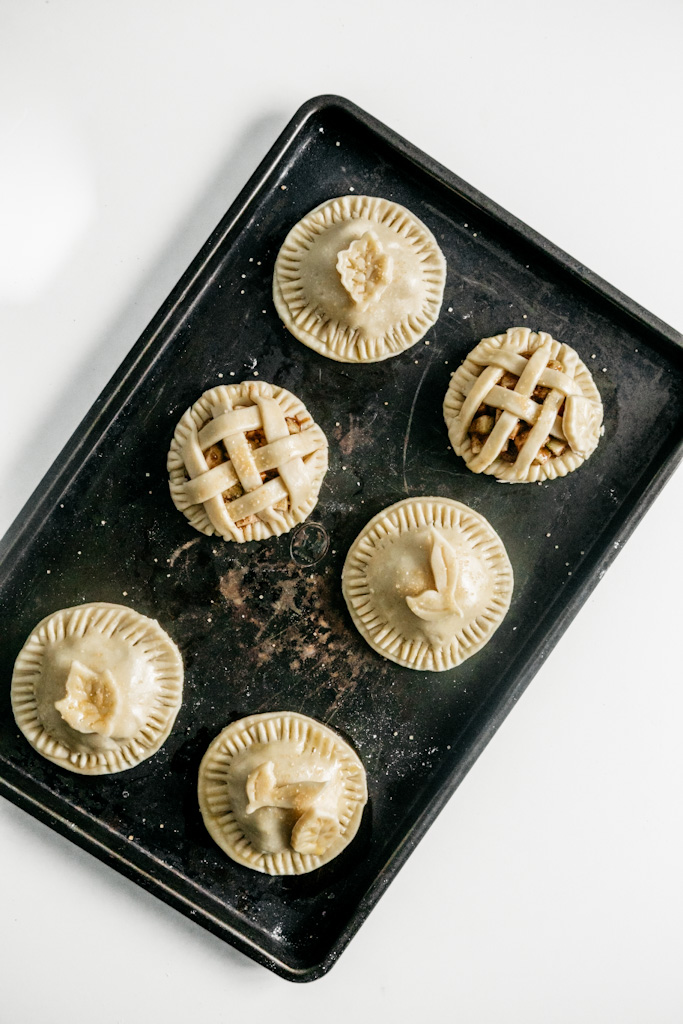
{"x": 78, "y": 833}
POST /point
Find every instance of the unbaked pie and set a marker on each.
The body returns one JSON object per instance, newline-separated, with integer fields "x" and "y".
{"x": 523, "y": 407}
{"x": 246, "y": 462}
{"x": 96, "y": 688}
{"x": 359, "y": 279}
{"x": 427, "y": 583}
{"x": 281, "y": 793}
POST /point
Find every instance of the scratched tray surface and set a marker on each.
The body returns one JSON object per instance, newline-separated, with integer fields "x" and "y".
{"x": 258, "y": 628}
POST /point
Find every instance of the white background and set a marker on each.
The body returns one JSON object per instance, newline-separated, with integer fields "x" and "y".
{"x": 550, "y": 888}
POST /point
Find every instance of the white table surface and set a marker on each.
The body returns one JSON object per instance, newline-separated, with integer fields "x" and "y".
{"x": 550, "y": 888}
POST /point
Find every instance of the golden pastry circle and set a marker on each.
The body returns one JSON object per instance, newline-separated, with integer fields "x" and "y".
{"x": 281, "y": 793}
{"x": 556, "y": 401}
{"x": 359, "y": 279}
{"x": 110, "y": 645}
{"x": 427, "y": 582}
{"x": 270, "y": 460}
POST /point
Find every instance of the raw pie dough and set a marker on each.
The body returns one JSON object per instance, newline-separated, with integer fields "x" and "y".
{"x": 523, "y": 407}
{"x": 96, "y": 688}
{"x": 359, "y": 279}
{"x": 427, "y": 582}
{"x": 281, "y": 793}
{"x": 246, "y": 462}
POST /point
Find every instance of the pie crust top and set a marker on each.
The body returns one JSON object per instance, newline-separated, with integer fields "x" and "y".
{"x": 246, "y": 462}
{"x": 96, "y": 688}
{"x": 427, "y": 583}
{"x": 523, "y": 407}
{"x": 281, "y": 793}
{"x": 359, "y": 279}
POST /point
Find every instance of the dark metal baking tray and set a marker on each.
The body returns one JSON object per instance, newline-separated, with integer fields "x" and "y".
{"x": 258, "y": 629}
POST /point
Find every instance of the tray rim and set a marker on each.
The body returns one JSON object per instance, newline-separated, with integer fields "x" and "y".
{"x": 120, "y": 389}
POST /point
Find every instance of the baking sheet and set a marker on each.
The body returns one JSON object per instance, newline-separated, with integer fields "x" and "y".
{"x": 263, "y": 626}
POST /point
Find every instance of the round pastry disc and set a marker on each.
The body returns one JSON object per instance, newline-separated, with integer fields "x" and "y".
{"x": 281, "y": 793}
{"x": 427, "y": 583}
{"x": 246, "y": 462}
{"x": 117, "y": 678}
{"x": 547, "y": 409}
{"x": 359, "y": 279}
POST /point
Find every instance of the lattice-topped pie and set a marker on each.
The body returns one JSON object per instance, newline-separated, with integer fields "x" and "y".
{"x": 359, "y": 279}
{"x": 281, "y": 793}
{"x": 96, "y": 688}
{"x": 246, "y": 462}
{"x": 523, "y": 407}
{"x": 427, "y": 582}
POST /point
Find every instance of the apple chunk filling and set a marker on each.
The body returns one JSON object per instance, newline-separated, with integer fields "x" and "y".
{"x": 487, "y": 416}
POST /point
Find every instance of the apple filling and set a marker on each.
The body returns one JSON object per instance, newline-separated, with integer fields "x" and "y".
{"x": 486, "y": 418}
{"x": 217, "y": 454}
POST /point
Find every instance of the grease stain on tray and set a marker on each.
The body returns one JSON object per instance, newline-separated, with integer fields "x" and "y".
{"x": 296, "y": 621}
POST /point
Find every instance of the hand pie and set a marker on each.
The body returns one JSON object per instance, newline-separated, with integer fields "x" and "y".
{"x": 359, "y": 279}
{"x": 246, "y": 462}
{"x": 523, "y": 407}
{"x": 96, "y": 688}
{"x": 427, "y": 583}
{"x": 281, "y": 793}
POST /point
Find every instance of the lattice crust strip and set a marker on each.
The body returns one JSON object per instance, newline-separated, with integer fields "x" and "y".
{"x": 553, "y": 397}
{"x": 268, "y": 459}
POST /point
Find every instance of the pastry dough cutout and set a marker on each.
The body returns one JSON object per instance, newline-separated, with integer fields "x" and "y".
{"x": 246, "y": 462}
{"x": 96, "y": 688}
{"x": 542, "y": 423}
{"x": 427, "y": 583}
{"x": 281, "y": 793}
{"x": 92, "y": 700}
{"x": 359, "y": 279}
{"x": 365, "y": 269}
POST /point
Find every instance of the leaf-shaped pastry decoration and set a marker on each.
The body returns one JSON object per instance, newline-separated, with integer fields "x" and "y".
{"x": 435, "y": 604}
{"x": 263, "y": 790}
{"x": 581, "y": 424}
{"x": 365, "y": 269}
{"x": 91, "y": 701}
{"x": 314, "y": 833}
{"x": 260, "y": 786}
{"x": 444, "y": 565}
